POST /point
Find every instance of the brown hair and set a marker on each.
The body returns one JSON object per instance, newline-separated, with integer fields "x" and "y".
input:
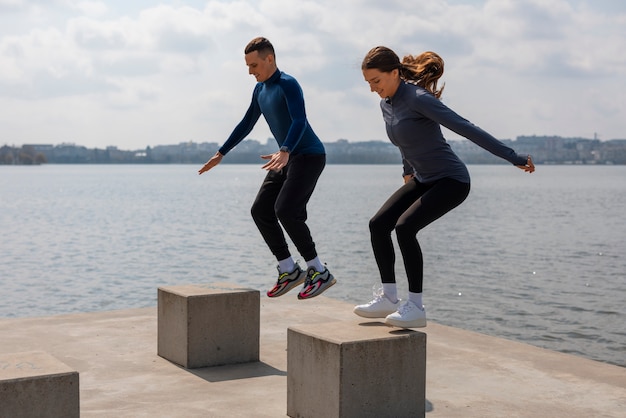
{"x": 261, "y": 44}
{"x": 424, "y": 70}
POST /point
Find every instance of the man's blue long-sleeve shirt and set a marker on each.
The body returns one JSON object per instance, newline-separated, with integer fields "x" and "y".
{"x": 281, "y": 102}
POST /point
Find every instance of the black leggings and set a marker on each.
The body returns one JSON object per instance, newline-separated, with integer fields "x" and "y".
{"x": 283, "y": 197}
{"x": 409, "y": 209}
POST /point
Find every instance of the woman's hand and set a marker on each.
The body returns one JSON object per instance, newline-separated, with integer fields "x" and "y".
{"x": 529, "y": 167}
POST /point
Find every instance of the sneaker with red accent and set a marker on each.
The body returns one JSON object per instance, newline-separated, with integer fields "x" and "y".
{"x": 287, "y": 281}
{"x": 316, "y": 283}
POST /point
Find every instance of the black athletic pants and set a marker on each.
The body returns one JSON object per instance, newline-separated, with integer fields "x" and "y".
{"x": 283, "y": 197}
{"x": 408, "y": 210}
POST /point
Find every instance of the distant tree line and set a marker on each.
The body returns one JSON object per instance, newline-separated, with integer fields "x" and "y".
{"x": 544, "y": 149}
{"x": 25, "y": 155}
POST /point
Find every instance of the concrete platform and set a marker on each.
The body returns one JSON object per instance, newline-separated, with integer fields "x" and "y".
{"x": 35, "y": 384}
{"x": 468, "y": 374}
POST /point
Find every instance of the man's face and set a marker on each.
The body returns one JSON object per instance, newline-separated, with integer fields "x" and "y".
{"x": 260, "y": 68}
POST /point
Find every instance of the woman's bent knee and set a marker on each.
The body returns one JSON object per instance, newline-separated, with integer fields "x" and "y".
{"x": 377, "y": 226}
{"x": 405, "y": 230}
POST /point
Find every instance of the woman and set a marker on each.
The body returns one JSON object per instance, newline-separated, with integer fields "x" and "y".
{"x": 435, "y": 179}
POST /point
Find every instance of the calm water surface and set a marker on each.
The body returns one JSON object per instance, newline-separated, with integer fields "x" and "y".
{"x": 534, "y": 258}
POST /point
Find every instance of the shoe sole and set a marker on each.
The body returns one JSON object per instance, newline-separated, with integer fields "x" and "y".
{"x": 418, "y": 323}
{"x": 319, "y": 292}
{"x": 290, "y": 286}
{"x": 365, "y": 314}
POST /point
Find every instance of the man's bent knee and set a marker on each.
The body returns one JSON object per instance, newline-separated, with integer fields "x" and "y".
{"x": 285, "y": 214}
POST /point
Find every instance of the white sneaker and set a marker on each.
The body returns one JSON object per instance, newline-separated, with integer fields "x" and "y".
{"x": 409, "y": 315}
{"x": 380, "y": 307}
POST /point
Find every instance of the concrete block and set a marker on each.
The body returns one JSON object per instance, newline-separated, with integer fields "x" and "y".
{"x": 35, "y": 384}
{"x": 213, "y": 325}
{"x": 344, "y": 369}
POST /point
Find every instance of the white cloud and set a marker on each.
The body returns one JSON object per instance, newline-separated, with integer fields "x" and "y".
{"x": 134, "y": 74}
{"x": 92, "y": 8}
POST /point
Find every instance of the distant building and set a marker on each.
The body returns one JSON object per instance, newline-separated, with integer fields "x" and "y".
{"x": 544, "y": 149}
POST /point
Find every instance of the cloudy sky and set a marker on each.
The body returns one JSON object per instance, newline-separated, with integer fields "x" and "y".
{"x": 137, "y": 73}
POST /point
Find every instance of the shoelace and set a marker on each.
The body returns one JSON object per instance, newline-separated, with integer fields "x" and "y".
{"x": 310, "y": 278}
{"x": 407, "y": 307}
{"x": 378, "y": 295}
{"x": 375, "y": 301}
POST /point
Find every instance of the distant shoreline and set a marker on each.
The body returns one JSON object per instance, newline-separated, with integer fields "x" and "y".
{"x": 544, "y": 150}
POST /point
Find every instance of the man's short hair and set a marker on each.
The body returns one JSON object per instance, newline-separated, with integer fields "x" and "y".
{"x": 262, "y": 45}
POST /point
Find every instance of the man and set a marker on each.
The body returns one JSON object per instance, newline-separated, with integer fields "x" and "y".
{"x": 292, "y": 171}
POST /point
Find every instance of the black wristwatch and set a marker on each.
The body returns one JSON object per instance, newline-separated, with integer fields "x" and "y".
{"x": 284, "y": 149}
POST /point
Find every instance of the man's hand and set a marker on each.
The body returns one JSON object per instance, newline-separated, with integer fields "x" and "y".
{"x": 276, "y": 161}
{"x": 215, "y": 160}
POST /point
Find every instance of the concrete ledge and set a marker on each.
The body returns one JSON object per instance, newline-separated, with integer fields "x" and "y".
{"x": 470, "y": 375}
{"x": 35, "y": 384}
{"x": 202, "y": 326}
{"x": 341, "y": 369}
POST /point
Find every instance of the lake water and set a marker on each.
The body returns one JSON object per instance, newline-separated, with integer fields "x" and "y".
{"x": 535, "y": 258}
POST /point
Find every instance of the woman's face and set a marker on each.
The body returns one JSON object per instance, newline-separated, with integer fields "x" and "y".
{"x": 385, "y": 84}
